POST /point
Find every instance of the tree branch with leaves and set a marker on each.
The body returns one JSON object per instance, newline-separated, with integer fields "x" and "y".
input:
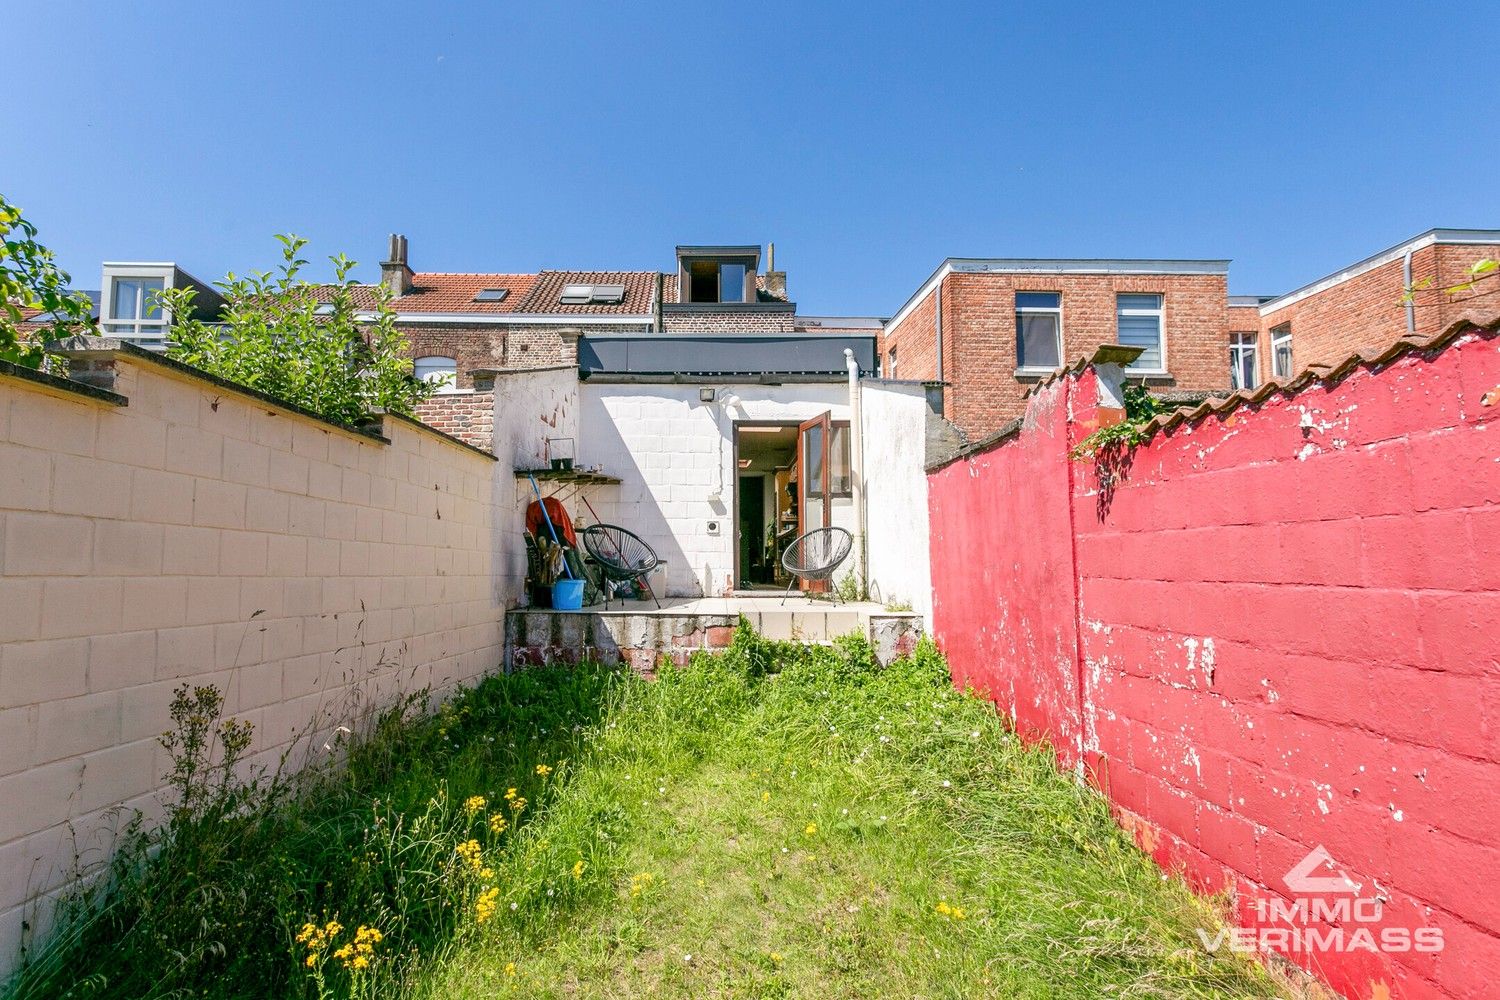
{"x": 300, "y": 342}
{"x": 35, "y": 303}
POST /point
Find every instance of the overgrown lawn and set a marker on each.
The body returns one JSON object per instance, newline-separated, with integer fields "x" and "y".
{"x": 774, "y": 821}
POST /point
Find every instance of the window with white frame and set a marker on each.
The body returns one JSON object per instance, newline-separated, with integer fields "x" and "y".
{"x": 440, "y": 370}
{"x": 891, "y": 368}
{"x": 134, "y": 308}
{"x": 1140, "y": 320}
{"x": 1038, "y": 330}
{"x": 1281, "y": 351}
{"x": 1244, "y": 361}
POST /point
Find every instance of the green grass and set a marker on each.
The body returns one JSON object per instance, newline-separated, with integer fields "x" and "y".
{"x": 771, "y": 822}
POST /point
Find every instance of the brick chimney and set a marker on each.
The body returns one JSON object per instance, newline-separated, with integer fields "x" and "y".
{"x": 396, "y": 273}
{"x": 775, "y": 281}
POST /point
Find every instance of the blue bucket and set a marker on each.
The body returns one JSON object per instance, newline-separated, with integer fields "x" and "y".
{"x": 567, "y": 595}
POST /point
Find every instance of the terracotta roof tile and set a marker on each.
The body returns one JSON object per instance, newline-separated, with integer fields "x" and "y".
{"x": 434, "y": 292}
{"x": 546, "y": 293}
{"x": 439, "y": 292}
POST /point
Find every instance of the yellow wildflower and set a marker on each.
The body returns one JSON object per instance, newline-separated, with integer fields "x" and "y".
{"x": 510, "y": 793}
{"x": 765, "y": 796}
{"x": 578, "y": 868}
{"x": 510, "y": 968}
{"x": 361, "y": 962}
{"x": 486, "y": 905}
{"x": 811, "y": 829}
{"x": 943, "y": 907}
{"x": 312, "y": 959}
{"x": 471, "y": 854}
{"x": 474, "y": 803}
{"x": 518, "y": 803}
{"x": 498, "y": 824}
{"x": 639, "y": 883}
{"x": 543, "y": 770}
{"x": 776, "y": 957}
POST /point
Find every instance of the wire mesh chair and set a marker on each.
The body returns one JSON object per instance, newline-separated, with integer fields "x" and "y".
{"x": 815, "y": 555}
{"x": 620, "y": 555}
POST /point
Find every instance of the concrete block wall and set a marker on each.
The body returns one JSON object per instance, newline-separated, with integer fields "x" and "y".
{"x": 1274, "y": 632}
{"x": 201, "y": 535}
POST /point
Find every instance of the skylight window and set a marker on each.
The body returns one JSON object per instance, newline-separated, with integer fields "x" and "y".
{"x": 491, "y": 294}
{"x": 583, "y": 295}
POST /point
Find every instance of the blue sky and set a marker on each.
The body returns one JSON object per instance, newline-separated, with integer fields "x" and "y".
{"x": 867, "y": 140}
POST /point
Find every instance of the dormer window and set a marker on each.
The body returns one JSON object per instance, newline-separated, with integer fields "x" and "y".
{"x": 717, "y": 274}
{"x": 134, "y": 306}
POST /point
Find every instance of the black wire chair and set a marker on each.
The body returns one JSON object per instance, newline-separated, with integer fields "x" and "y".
{"x": 620, "y": 555}
{"x": 815, "y": 555}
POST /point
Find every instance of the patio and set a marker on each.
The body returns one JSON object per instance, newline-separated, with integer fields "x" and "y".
{"x": 640, "y": 634}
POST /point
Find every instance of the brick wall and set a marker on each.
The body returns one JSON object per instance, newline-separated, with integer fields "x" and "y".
{"x": 979, "y": 336}
{"x": 749, "y": 319}
{"x": 1367, "y": 309}
{"x": 473, "y": 347}
{"x": 200, "y": 534}
{"x": 468, "y": 416}
{"x": 1271, "y": 630}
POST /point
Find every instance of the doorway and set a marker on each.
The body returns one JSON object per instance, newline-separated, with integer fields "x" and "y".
{"x": 765, "y": 501}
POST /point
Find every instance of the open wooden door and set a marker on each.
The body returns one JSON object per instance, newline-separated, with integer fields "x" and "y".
{"x": 813, "y": 506}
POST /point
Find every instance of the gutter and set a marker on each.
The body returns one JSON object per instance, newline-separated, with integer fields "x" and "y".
{"x": 1411, "y": 305}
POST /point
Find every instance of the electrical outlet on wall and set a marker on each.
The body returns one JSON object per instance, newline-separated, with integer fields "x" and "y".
{"x": 713, "y": 528}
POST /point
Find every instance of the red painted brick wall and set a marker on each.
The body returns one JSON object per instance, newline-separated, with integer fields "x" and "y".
{"x": 979, "y": 336}
{"x": 1285, "y": 638}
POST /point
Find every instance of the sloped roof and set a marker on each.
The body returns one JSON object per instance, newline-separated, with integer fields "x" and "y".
{"x": 445, "y": 292}
{"x": 441, "y": 292}
{"x": 545, "y": 295}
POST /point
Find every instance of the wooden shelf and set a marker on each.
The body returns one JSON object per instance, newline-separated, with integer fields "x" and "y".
{"x": 581, "y": 477}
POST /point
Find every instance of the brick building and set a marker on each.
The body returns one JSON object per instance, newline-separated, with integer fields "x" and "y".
{"x": 1365, "y": 304}
{"x": 990, "y": 329}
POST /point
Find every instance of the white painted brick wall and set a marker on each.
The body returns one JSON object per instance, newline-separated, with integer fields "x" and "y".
{"x": 895, "y": 446}
{"x": 674, "y": 453}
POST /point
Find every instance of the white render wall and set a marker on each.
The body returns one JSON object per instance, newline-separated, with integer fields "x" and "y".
{"x": 531, "y": 408}
{"x": 895, "y": 446}
{"x": 676, "y": 457}
{"x": 199, "y": 535}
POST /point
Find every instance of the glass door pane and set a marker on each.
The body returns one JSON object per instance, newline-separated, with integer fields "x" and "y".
{"x": 812, "y": 480}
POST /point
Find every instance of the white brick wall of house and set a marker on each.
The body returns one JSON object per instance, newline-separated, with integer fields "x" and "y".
{"x": 675, "y": 456}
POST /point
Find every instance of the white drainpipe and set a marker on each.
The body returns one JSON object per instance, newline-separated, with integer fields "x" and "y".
{"x": 857, "y": 466}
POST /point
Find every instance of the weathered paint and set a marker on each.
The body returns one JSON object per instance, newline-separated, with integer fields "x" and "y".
{"x": 1275, "y": 631}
